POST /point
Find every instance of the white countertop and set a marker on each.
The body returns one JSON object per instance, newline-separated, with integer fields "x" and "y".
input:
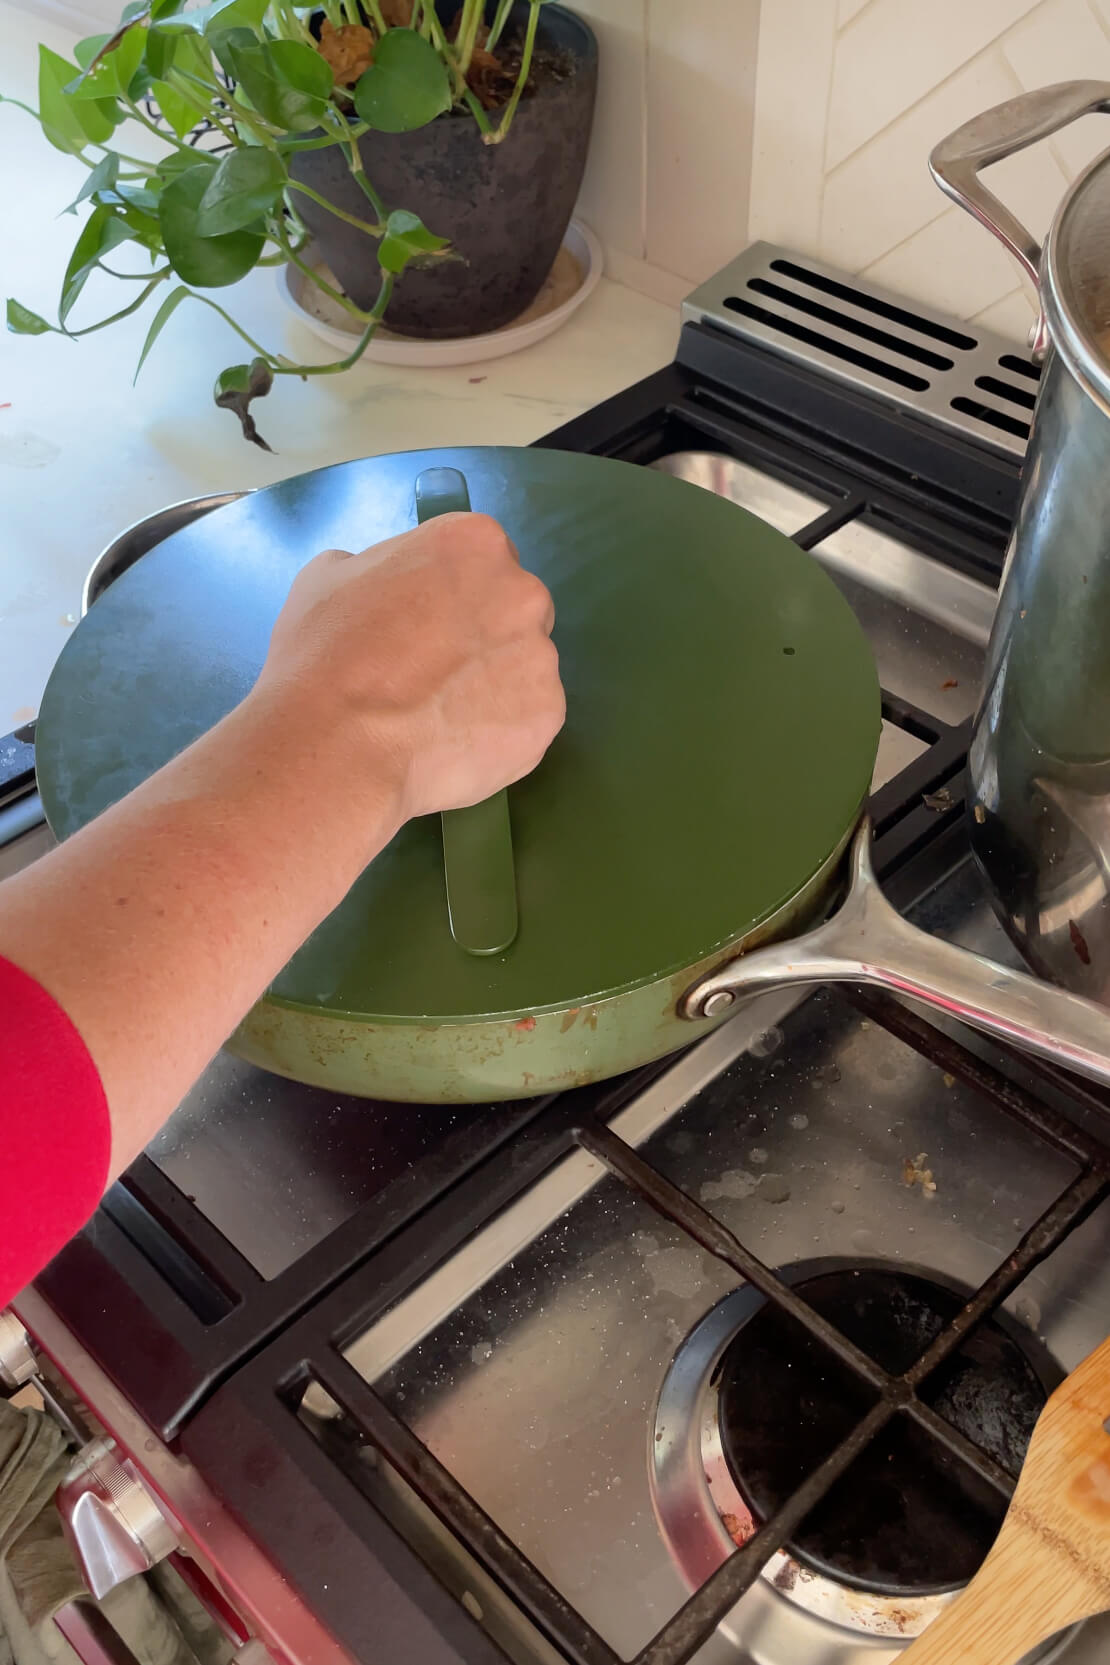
{"x": 83, "y": 453}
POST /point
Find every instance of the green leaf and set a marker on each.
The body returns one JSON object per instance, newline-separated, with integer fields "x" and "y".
{"x": 287, "y": 82}
{"x": 100, "y": 178}
{"x": 224, "y": 43}
{"x": 161, "y": 318}
{"x": 237, "y": 386}
{"x": 405, "y": 87}
{"x": 86, "y": 50}
{"x": 231, "y": 14}
{"x": 64, "y": 125}
{"x": 180, "y": 161}
{"x": 101, "y": 233}
{"x": 302, "y": 67}
{"x": 139, "y": 85}
{"x": 143, "y": 198}
{"x": 244, "y": 187}
{"x": 205, "y": 262}
{"x": 112, "y": 76}
{"x": 179, "y": 111}
{"x": 160, "y": 49}
{"x": 406, "y": 235}
{"x": 22, "y": 321}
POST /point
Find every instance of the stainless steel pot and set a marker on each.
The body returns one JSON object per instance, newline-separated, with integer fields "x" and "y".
{"x": 1040, "y": 752}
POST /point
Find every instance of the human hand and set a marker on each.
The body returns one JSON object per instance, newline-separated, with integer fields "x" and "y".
{"x": 428, "y": 655}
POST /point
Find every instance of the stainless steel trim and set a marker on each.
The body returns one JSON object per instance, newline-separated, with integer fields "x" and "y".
{"x": 867, "y": 941}
{"x": 785, "y": 507}
{"x": 905, "y": 328}
{"x": 142, "y": 536}
{"x": 924, "y": 586}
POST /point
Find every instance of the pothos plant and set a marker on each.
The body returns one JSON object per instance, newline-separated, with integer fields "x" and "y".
{"x": 231, "y": 91}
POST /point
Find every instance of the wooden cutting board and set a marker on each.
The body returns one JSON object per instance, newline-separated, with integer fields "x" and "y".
{"x": 1050, "y": 1565}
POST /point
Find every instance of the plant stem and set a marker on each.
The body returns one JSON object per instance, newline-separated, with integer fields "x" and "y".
{"x": 474, "y": 105}
{"x": 467, "y": 33}
{"x": 262, "y": 129}
{"x": 293, "y": 27}
{"x": 376, "y": 17}
{"x": 501, "y": 17}
{"x": 358, "y": 173}
{"x": 373, "y": 319}
{"x": 443, "y": 47}
{"x": 288, "y": 145}
{"x": 125, "y": 312}
{"x": 521, "y": 81}
{"x": 159, "y": 133}
{"x": 340, "y": 213}
{"x": 135, "y": 161}
{"x": 124, "y": 277}
{"x": 314, "y": 276}
{"x": 238, "y": 328}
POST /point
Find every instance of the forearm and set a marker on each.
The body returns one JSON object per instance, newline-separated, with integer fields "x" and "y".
{"x": 159, "y": 925}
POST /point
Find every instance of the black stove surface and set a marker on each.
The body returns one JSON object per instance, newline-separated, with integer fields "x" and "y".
{"x": 261, "y": 1195}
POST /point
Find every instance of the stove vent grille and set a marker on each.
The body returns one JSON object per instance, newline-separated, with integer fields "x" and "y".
{"x": 951, "y": 373}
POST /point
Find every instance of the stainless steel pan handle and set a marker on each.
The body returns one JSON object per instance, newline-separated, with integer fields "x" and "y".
{"x": 956, "y": 161}
{"x": 867, "y": 941}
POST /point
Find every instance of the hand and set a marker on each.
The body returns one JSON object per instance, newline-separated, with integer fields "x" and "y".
{"x": 430, "y": 653}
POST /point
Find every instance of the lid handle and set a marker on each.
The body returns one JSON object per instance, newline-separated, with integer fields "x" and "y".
{"x": 1009, "y": 127}
{"x": 478, "y": 841}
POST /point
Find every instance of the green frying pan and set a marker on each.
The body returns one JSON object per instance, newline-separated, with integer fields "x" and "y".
{"x": 722, "y": 723}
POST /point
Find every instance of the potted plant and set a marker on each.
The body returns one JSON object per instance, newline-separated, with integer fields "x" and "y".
{"x": 375, "y": 127}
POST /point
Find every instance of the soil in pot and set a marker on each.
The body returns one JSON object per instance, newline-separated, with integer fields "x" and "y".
{"x": 505, "y": 208}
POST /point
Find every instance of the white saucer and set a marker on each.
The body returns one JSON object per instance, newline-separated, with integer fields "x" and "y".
{"x": 580, "y": 254}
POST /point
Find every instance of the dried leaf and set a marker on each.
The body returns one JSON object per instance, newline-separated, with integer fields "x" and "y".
{"x": 348, "y": 51}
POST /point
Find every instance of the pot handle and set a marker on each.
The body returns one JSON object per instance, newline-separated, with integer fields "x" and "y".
{"x": 1009, "y": 127}
{"x": 477, "y": 841}
{"x": 867, "y": 941}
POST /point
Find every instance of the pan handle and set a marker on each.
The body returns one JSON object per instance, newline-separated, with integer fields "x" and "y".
{"x": 867, "y": 941}
{"x": 477, "y": 841}
{"x": 955, "y": 163}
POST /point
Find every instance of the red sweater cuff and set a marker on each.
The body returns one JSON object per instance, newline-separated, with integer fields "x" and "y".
{"x": 55, "y": 1133}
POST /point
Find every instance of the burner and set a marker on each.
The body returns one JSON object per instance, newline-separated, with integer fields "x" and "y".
{"x": 907, "y": 1519}
{"x": 750, "y": 1405}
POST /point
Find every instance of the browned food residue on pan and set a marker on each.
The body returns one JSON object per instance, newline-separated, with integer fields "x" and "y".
{"x": 1079, "y": 942}
{"x": 914, "y": 1172}
{"x": 738, "y": 1530}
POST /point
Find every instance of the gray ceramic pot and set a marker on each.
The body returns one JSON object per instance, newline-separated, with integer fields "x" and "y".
{"x": 504, "y": 207}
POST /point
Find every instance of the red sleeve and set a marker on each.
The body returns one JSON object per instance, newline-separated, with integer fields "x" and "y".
{"x": 55, "y": 1136}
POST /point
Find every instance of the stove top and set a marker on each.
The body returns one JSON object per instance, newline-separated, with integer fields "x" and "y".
{"x": 622, "y": 1374}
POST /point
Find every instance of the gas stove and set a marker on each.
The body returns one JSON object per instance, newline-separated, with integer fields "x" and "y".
{"x": 730, "y": 1361}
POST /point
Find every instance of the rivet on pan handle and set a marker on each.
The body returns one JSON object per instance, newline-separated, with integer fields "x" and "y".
{"x": 477, "y": 842}
{"x": 867, "y": 941}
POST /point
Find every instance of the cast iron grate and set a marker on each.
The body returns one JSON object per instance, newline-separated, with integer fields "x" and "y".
{"x": 892, "y": 1395}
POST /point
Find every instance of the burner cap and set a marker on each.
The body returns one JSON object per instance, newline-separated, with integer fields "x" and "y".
{"x": 907, "y": 1518}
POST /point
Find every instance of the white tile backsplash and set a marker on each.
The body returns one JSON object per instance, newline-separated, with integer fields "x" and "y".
{"x": 700, "y": 91}
{"x": 897, "y": 51}
{"x": 898, "y": 77}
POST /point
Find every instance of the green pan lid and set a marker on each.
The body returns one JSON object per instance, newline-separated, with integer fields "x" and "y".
{"x": 722, "y": 720}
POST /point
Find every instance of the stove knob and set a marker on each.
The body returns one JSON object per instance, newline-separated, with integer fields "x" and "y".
{"x": 114, "y": 1524}
{"x": 17, "y": 1362}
